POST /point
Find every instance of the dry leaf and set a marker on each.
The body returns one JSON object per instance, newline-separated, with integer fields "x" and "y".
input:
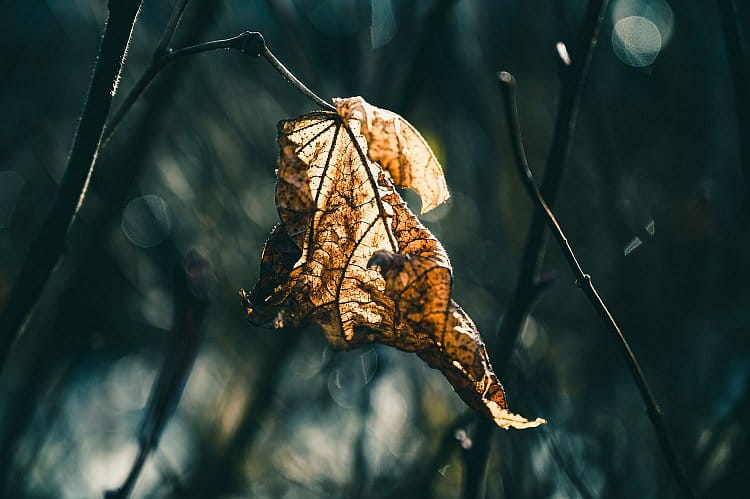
{"x": 350, "y": 256}
{"x": 399, "y": 148}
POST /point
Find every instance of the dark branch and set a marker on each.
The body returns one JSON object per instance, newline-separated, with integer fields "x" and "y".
{"x": 169, "y": 30}
{"x": 584, "y": 282}
{"x": 573, "y": 78}
{"x": 247, "y": 42}
{"x": 161, "y": 49}
{"x": 574, "y": 70}
{"x": 48, "y": 245}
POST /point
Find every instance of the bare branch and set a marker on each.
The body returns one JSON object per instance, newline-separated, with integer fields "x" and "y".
{"x": 48, "y": 245}
{"x": 585, "y": 284}
{"x": 574, "y": 70}
{"x": 248, "y": 42}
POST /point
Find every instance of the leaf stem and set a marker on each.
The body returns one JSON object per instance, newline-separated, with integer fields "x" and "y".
{"x": 584, "y": 282}
{"x": 266, "y": 52}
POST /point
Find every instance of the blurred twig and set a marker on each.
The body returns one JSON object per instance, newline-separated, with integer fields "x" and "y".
{"x": 585, "y": 284}
{"x": 48, "y": 245}
{"x": 434, "y": 27}
{"x": 574, "y": 73}
{"x": 248, "y": 42}
{"x": 421, "y": 482}
{"x": 573, "y": 78}
{"x": 738, "y": 69}
{"x": 219, "y": 474}
{"x": 193, "y": 290}
{"x": 727, "y": 443}
{"x": 358, "y": 484}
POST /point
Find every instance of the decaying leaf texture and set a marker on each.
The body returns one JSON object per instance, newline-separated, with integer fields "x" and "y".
{"x": 399, "y": 148}
{"x": 350, "y": 255}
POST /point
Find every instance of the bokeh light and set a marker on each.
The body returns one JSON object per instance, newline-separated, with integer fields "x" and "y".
{"x": 636, "y": 41}
{"x": 146, "y": 221}
{"x": 279, "y": 413}
{"x": 383, "y": 27}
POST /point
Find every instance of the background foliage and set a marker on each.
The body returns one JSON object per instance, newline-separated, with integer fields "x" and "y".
{"x": 656, "y": 156}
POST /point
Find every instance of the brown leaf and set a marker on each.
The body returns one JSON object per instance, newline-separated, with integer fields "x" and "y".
{"x": 350, "y": 256}
{"x": 399, "y": 148}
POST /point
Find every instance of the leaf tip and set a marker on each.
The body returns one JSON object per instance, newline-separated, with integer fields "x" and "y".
{"x": 506, "y": 419}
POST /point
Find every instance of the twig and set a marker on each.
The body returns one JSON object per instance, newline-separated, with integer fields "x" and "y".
{"x": 84, "y": 267}
{"x": 248, "y": 42}
{"x": 48, "y": 245}
{"x": 585, "y": 284}
{"x": 193, "y": 289}
{"x": 573, "y": 78}
{"x": 574, "y": 73}
{"x": 161, "y": 49}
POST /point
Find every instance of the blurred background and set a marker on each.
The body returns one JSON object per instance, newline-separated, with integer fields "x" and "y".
{"x": 653, "y": 202}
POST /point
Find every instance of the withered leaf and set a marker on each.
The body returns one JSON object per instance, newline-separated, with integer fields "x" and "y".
{"x": 399, "y": 148}
{"x": 351, "y": 256}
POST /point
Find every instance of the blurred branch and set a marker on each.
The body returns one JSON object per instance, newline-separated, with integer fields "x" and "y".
{"x": 358, "y": 484}
{"x": 434, "y": 27}
{"x": 728, "y": 439}
{"x": 738, "y": 70}
{"x": 47, "y": 247}
{"x": 219, "y": 474}
{"x": 81, "y": 312}
{"x": 247, "y": 42}
{"x": 572, "y": 81}
{"x": 192, "y": 290}
{"x": 585, "y": 284}
{"x": 418, "y": 482}
{"x": 574, "y": 73}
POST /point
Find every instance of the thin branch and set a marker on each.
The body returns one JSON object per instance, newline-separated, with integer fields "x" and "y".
{"x": 574, "y": 70}
{"x": 248, "y": 42}
{"x": 169, "y": 30}
{"x": 573, "y": 77}
{"x": 585, "y": 284}
{"x": 48, "y": 245}
{"x": 156, "y": 65}
{"x": 418, "y": 481}
{"x": 265, "y": 52}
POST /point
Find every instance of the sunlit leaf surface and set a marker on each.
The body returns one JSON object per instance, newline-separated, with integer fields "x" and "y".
{"x": 351, "y": 256}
